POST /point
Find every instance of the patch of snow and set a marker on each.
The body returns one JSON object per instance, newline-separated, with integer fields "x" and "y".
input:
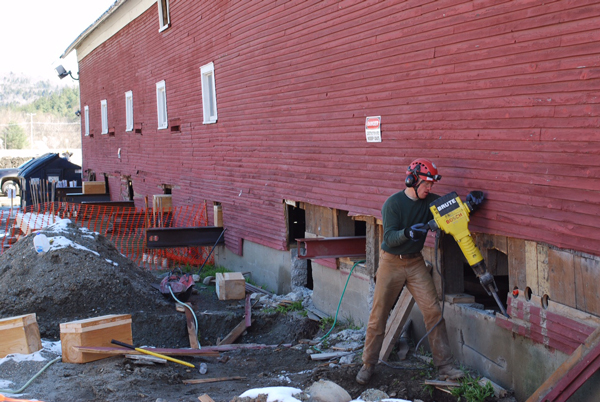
{"x": 279, "y": 394}
{"x": 59, "y": 242}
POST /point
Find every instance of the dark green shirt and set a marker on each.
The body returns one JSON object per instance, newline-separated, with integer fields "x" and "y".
{"x": 400, "y": 212}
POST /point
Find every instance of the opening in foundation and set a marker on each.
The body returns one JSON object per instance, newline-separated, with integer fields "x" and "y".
{"x": 528, "y": 293}
{"x": 545, "y": 301}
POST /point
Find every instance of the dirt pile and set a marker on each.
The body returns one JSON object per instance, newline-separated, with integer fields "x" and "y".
{"x": 82, "y": 275}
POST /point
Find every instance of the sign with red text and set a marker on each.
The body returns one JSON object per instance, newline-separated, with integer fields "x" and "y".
{"x": 373, "y": 129}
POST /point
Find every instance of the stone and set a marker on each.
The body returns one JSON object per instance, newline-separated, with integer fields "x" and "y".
{"x": 327, "y": 391}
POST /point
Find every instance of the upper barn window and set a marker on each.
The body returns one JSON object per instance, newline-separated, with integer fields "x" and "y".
{"x": 129, "y": 111}
{"x": 161, "y": 105}
{"x": 163, "y": 14}
{"x": 209, "y": 95}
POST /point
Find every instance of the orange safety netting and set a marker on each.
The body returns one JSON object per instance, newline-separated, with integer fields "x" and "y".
{"x": 124, "y": 226}
{"x": 6, "y": 398}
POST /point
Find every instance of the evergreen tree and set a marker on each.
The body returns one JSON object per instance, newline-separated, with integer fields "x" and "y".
{"x": 14, "y": 136}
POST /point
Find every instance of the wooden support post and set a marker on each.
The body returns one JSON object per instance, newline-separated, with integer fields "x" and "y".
{"x": 570, "y": 375}
{"x": 396, "y": 322}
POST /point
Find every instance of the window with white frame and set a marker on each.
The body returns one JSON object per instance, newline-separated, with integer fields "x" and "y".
{"x": 209, "y": 94}
{"x": 161, "y": 104}
{"x": 104, "y": 113}
{"x": 129, "y": 111}
{"x": 86, "y": 116}
{"x": 163, "y": 14}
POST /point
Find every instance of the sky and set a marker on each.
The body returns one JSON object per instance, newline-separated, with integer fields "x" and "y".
{"x": 35, "y": 33}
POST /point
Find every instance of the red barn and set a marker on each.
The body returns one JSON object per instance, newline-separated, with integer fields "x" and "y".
{"x": 260, "y": 108}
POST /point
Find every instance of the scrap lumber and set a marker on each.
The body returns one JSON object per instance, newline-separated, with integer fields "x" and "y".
{"x": 146, "y": 359}
{"x": 205, "y": 380}
{"x": 191, "y": 328}
{"x": 241, "y": 327}
{"x": 572, "y": 374}
{"x": 396, "y": 322}
{"x": 254, "y": 289}
{"x": 438, "y": 383}
{"x": 205, "y": 398}
{"x": 107, "y": 350}
{"x": 327, "y": 356}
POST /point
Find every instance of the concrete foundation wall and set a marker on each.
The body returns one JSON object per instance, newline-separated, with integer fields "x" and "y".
{"x": 512, "y": 361}
{"x": 328, "y": 287}
{"x": 269, "y": 267}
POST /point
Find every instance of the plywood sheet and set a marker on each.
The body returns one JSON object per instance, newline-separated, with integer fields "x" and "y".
{"x": 587, "y": 277}
{"x": 561, "y": 277}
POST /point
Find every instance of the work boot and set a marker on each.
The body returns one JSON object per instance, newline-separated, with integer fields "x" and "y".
{"x": 365, "y": 373}
{"x": 449, "y": 372}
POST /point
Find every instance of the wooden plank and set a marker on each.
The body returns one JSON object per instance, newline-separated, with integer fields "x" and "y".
{"x": 234, "y": 334}
{"x": 579, "y": 356}
{"x": 587, "y": 272}
{"x": 327, "y": 356}
{"x": 543, "y": 271}
{"x": 460, "y": 298}
{"x": 531, "y": 266}
{"x": 396, "y": 322}
{"x": 205, "y": 398}
{"x": 113, "y": 351}
{"x": 207, "y": 380}
{"x": 516, "y": 264}
{"x": 191, "y": 328}
{"x": 561, "y": 277}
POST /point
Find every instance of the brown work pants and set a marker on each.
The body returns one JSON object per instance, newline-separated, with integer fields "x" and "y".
{"x": 391, "y": 276}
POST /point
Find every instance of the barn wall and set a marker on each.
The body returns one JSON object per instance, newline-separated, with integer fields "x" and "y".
{"x": 502, "y": 95}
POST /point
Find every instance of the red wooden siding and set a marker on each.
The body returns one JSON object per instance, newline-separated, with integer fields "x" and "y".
{"x": 502, "y": 95}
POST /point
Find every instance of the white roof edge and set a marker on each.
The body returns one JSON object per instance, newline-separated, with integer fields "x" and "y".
{"x": 91, "y": 28}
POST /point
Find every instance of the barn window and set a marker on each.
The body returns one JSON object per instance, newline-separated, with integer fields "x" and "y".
{"x": 161, "y": 104}
{"x": 129, "y": 111}
{"x": 104, "y": 113}
{"x": 209, "y": 95}
{"x": 86, "y": 116}
{"x": 163, "y": 14}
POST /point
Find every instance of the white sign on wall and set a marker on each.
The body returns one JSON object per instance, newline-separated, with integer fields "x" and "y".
{"x": 373, "y": 129}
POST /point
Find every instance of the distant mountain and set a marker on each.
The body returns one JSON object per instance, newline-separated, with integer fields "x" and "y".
{"x": 17, "y": 89}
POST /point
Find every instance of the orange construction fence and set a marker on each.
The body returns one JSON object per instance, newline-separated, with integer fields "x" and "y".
{"x": 124, "y": 226}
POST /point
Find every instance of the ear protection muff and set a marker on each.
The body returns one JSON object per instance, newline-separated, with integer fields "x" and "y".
{"x": 411, "y": 180}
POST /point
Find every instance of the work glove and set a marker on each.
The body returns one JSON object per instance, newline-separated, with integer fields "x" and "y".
{"x": 475, "y": 199}
{"x": 416, "y": 232}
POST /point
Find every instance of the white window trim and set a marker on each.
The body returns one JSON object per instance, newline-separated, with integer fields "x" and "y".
{"x": 161, "y": 105}
{"x": 86, "y": 116}
{"x": 160, "y": 16}
{"x": 209, "y": 93}
{"x": 129, "y": 111}
{"x": 104, "y": 114}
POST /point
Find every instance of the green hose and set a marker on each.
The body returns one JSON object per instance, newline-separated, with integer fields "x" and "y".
{"x": 18, "y": 391}
{"x": 341, "y": 297}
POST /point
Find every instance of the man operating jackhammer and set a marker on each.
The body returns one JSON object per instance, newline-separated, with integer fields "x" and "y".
{"x": 405, "y": 215}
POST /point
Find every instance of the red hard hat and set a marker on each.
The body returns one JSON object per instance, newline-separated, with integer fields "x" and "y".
{"x": 424, "y": 169}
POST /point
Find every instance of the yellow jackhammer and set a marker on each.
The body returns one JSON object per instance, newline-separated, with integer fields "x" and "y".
{"x": 451, "y": 215}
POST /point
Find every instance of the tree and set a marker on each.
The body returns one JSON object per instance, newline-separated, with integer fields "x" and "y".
{"x": 14, "y": 136}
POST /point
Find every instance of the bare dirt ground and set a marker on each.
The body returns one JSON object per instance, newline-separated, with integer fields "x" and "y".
{"x": 70, "y": 283}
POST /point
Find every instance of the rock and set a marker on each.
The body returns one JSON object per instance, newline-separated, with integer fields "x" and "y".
{"x": 327, "y": 391}
{"x": 347, "y": 359}
{"x": 372, "y": 395}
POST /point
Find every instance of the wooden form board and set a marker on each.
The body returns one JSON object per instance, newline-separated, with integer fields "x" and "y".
{"x": 94, "y": 187}
{"x": 396, "y": 322}
{"x": 230, "y": 286}
{"x": 19, "y": 334}
{"x": 97, "y": 331}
